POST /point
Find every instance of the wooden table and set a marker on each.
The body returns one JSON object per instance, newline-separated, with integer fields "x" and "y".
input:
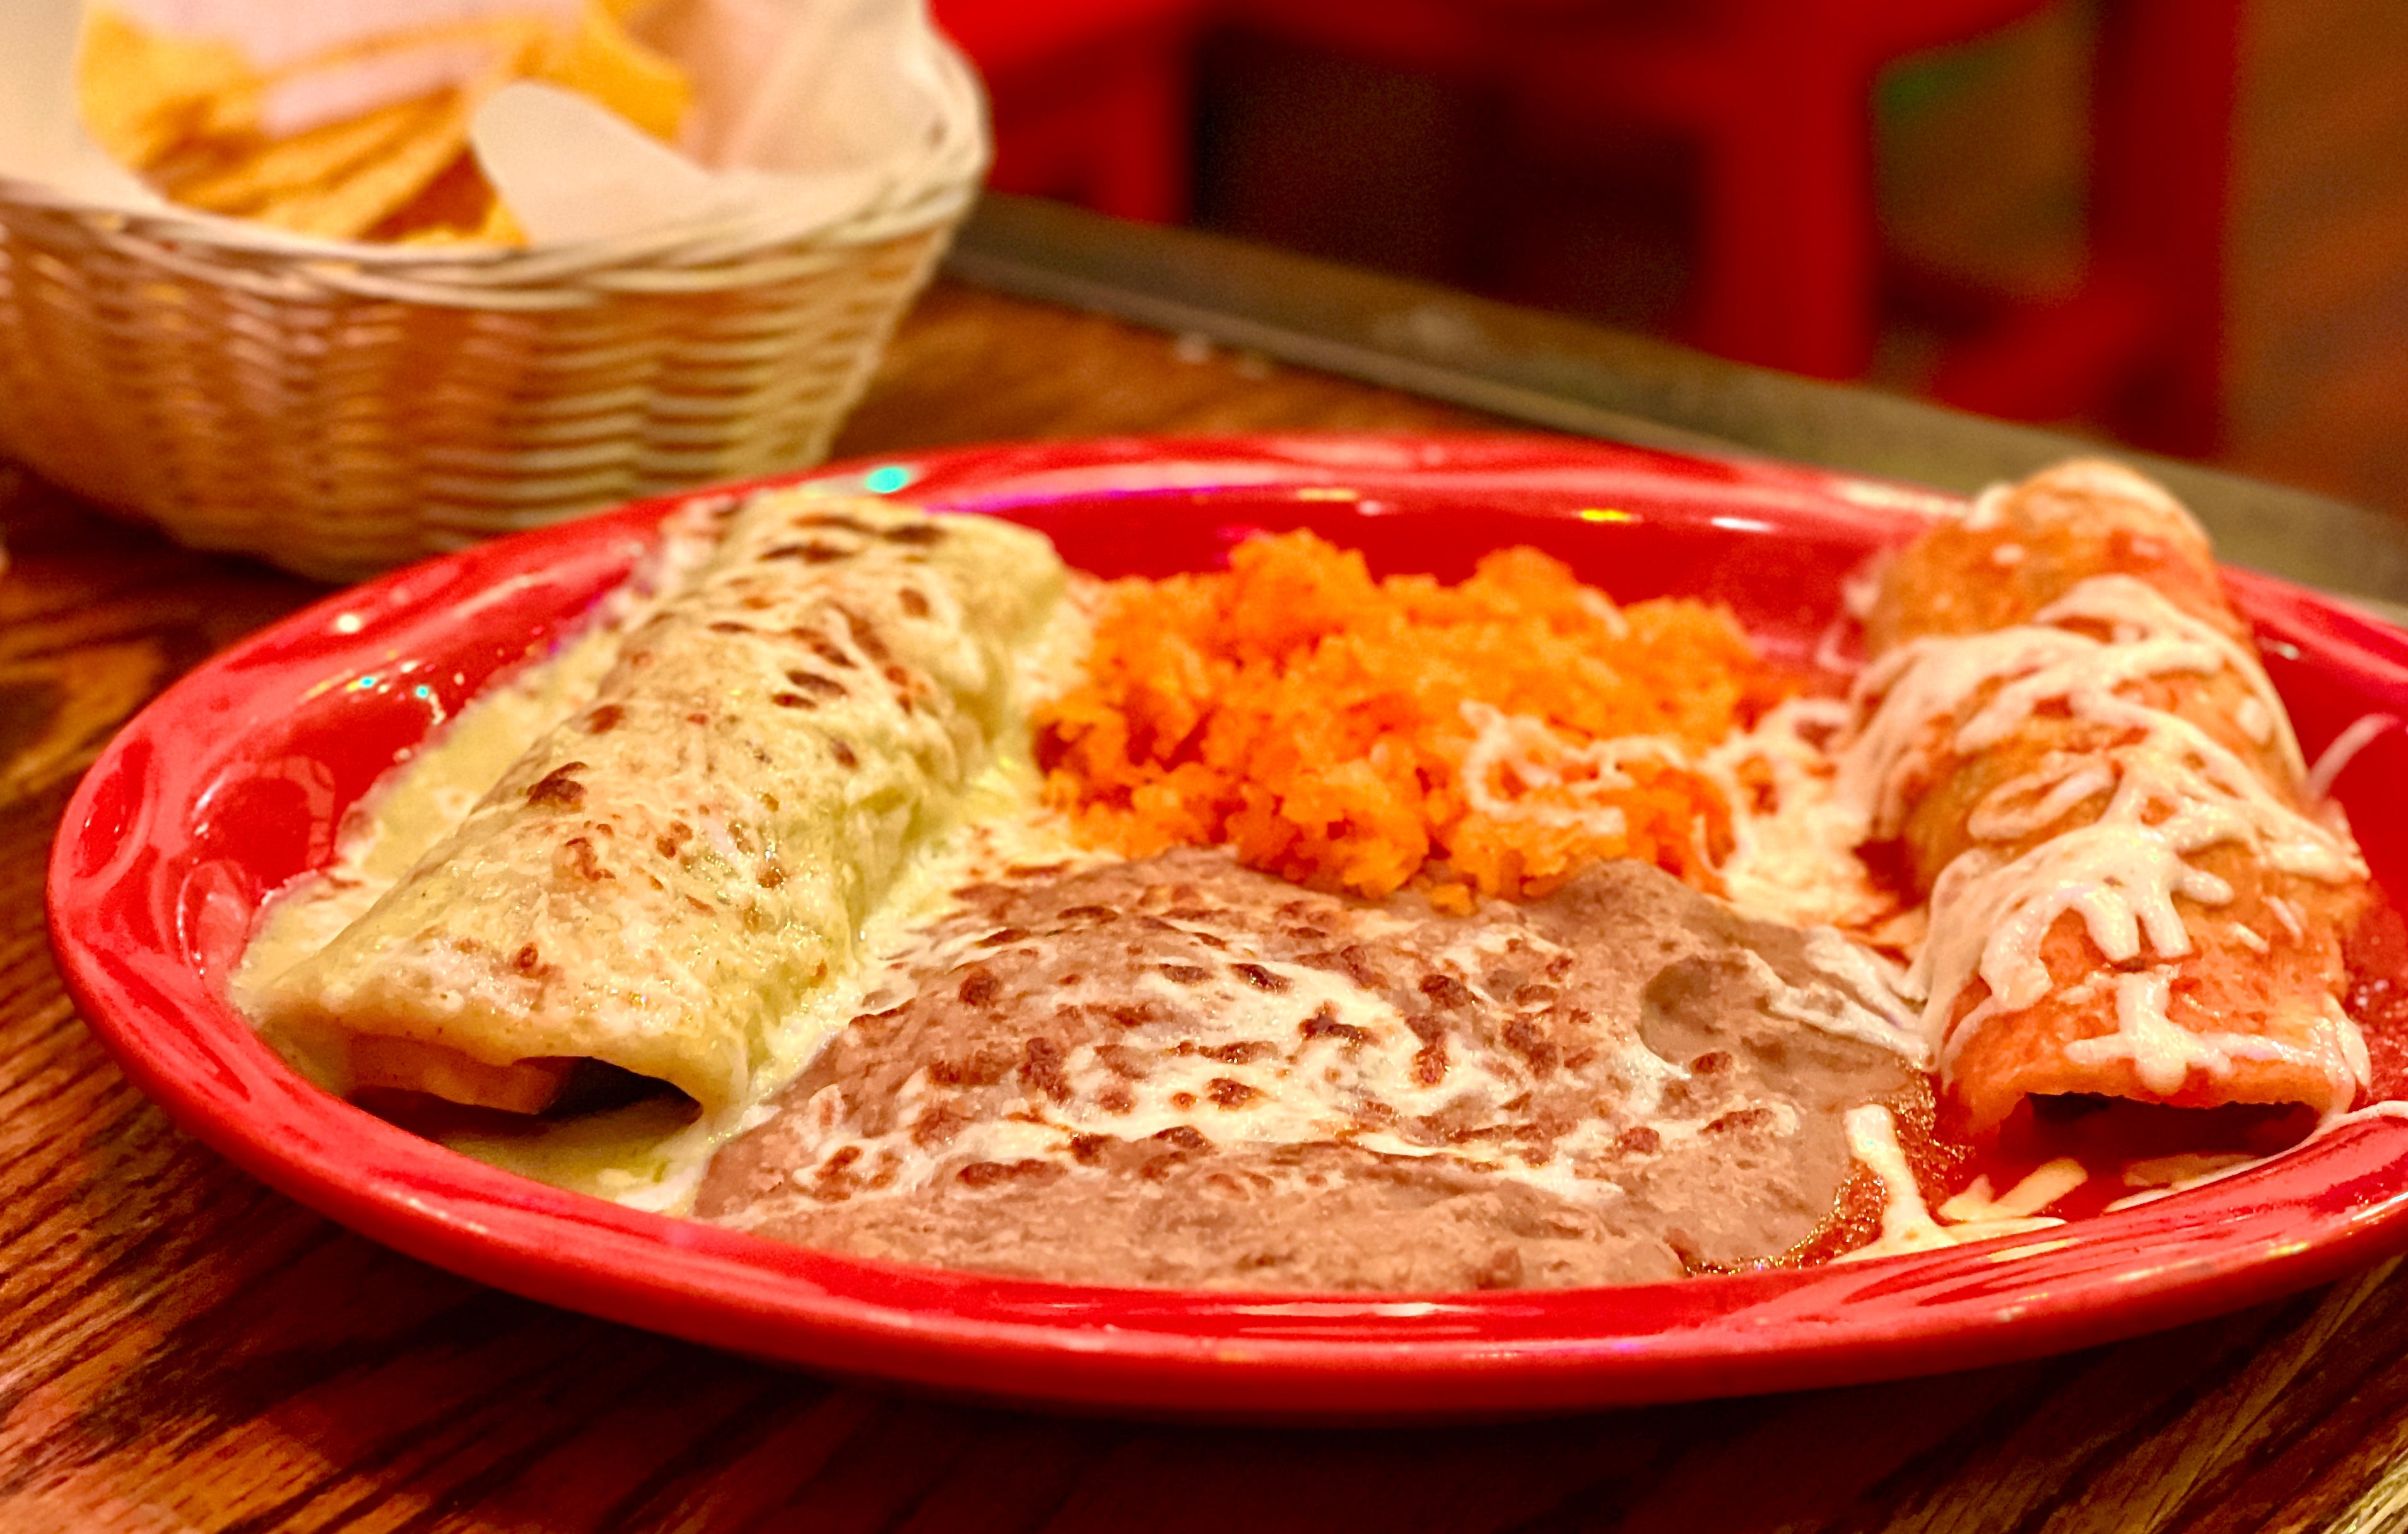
{"x": 182, "y": 1349}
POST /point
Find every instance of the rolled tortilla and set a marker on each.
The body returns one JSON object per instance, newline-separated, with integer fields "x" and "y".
{"x": 657, "y": 882}
{"x": 2131, "y": 896}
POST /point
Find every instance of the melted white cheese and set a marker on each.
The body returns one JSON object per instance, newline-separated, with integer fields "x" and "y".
{"x": 1312, "y": 1097}
{"x": 1557, "y": 779}
{"x": 1794, "y": 858}
{"x": 2172, "y": 791}
{"x": 2164, "y": 1054}
{"x": 1907, "y": 1225}
{"x": 440, "y": 781}
{"x": 648, "y": 1156}
{"x": 2041, "y": 1187}
{"x": 2336, "y": 759}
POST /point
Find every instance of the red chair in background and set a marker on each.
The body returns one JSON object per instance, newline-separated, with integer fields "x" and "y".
{"x": 1092, "y": 99}
{"x": 1779, "y": 93}
{"x": 1091, "y": 102}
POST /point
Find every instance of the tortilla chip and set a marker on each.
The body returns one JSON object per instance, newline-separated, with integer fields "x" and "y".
{"x": 261, "y": 172}
{"x": 141, "y": 93}
{"x": 371, "y": 192}
{"x": 602, "y": 61}
{"x": 457, "y": 208}
{"x": 188, "y": 114}
{"x": 498, "y": 228}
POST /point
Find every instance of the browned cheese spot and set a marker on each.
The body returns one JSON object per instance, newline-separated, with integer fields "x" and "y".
{"x": 1325, "y": 1025}
{"x": 582, "y": 861}
{"x": 980, "y": 988}
{"x": 1185, "y": 1136}
{"x": 1526, "y": 1038}
{"x": 843, "y": 754}
{"x": 833, "y": 1179}
{"x": 1260, "y": 978}
{"x": 1228, "y": 1092}
{"x": 937, "y": 1126}
{"x": 557, "y": 789}
{"x": 987, "y": 1174}
{"x": 915, "y": 534}
{"x": 1353, "y": 961}
{"x": 1244, "y": 1052}
{"x": 1186, "y": 974}
{"x": 836, "y": 519}
{"x": 1741, "y": 1118}
{"x": 1429, "y": 1064}
{"x": 812, "y": 682}
{"x": 1041, "y": 1068}
{"x": 814, "y": 552}
{"x": 826, "y": 649}
{"x": 1446, "y": 991}
{"x": 526, "y": 960}
{"x": 984, "y": 1068}
{"x": 605, "y": 719}
{"x": 913, "y": 603}
{"x": 866, "y": 637}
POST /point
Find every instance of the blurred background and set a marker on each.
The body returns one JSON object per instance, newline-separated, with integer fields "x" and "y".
{"x": 2177, "y": 223}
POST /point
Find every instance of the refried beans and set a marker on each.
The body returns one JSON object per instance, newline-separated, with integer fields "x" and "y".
{"x": 1178, "y": 1071}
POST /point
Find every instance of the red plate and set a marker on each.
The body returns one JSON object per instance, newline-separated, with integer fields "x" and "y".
{"x": 235, "y": 779}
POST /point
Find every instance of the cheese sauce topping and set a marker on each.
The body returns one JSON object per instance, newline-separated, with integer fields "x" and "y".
{"x": 2174, "y": 791}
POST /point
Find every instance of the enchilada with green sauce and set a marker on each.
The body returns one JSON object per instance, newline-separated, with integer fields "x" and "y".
{"x": 676, "y": 865}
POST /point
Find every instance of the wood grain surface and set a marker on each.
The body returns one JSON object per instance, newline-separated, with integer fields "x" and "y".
{"x": 182, "y": 1349}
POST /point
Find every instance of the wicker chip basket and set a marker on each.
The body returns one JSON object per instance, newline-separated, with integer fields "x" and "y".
{"x": 338, "y": 409}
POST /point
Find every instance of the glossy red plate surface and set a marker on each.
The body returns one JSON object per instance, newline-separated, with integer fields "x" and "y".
{"x": 235, "y": 779}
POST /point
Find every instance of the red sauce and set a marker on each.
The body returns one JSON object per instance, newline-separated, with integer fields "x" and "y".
{"x": 2107, "y": 1134}
{"x": 2376, "y": 952}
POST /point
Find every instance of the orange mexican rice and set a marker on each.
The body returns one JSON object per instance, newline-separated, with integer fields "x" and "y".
{"x": 1486, "y": 738}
